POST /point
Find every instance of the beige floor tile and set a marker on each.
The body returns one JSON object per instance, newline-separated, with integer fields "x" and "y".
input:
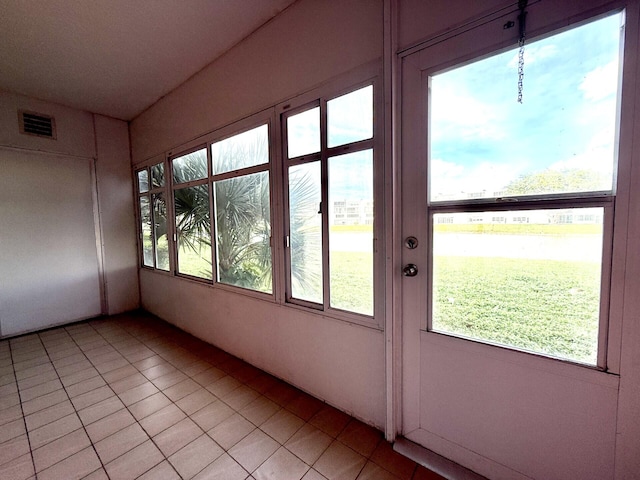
{"x": 18, "y": 469}
{"x": 85, "y": 386}
{"x": 120, "y": 442}
{"x": 44, "y": 401}
{"x": 182, "y": 389}
{"x": 59, "y": 449}
{"x": 48, "y": 415}
{"x": 72, "y": 359}
{"x": 100, "y": 474}
{"x": 253, "y": 450}
{"x": 80, "y": 376}
{"x": 162, "y": 471}
{"x": 8, "y": 401}
{"x": 339, "y": 462}
{"x": 74, "y": 467}
{"x": 392, "y": 461}
{"x": 169, "y": 380}
{"x": 330, "y": 420}
{"x": 148, "y": 362}
{"x": 149, "y": 405}
{"x": 281, "y": 393}
{"x": 371, "y": 471}
{"x": 195, "y": 367}
{"x": 135, "y": 462}
{"x": 100, "y": 410}
{"x": 120, "y": 373}
{"x": 36, "y": 380}
{"x": 162, "y": 419}
{"x": 208, "y": 376}
{"x": 212, "y": 415}
{"x": 158, "y": 370}
{"x": 112, "y": 365}
{"x": 240, "y": 397}
{"x": 360, "y": 437}
{"x": 54, "y": 430}
{"x": 313, "y": 475}
{"x": 304, "y": 406}
{"x": 109, "y": 425}
{"x": 195, "y": 456}
{"x": 138, "y": 393}
{"x": 422, "y": 473}
{"x": 10, "y": 414}
{"x": 9, "y": 378}
{"x": 224, "y": 386}
{"x": 40, "y": 390}
{"x": 12, "y": 430}
{"x": 14, "y": 448}
{"x": 126, "y": 383}
{"x": 8, "y": 389}
{"x": 91, "y": 398}
{"x": 224, "y": 468}
{"x": 282, "y": 465}
{"x": 282, "y": 426}
{"x": 177, "y": 436}
{"x": 231, "y": 431}
{"x": 74, "y": 368}
{"x": 259, "y": 410}
{"x": 195, "y": 401}
{"x": 309, "y": 443}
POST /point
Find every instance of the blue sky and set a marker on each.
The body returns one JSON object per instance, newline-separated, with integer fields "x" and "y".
{"x": 481, "y": 138}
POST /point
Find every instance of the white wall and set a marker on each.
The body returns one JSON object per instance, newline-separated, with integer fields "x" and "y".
{"x": 310, "y": 43}
{"x": 91, "y": 155}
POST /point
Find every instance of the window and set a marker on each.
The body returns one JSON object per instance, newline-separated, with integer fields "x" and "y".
{"x": 192, "y": 218}
{"x": 240, "y": 166}
{"x": 531, "y": 278}
{"x": 329, "y": 165}
{"x": 153, "y": 217}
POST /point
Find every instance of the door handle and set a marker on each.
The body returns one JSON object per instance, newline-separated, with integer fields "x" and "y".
{"x": 410, "y": 270}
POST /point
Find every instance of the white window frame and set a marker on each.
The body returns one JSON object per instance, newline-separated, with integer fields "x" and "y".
{"x": 319, "y": 97}
{"x": 608, "y": 329}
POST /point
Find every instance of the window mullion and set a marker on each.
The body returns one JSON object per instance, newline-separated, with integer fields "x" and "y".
{"x": 324, "y": 176}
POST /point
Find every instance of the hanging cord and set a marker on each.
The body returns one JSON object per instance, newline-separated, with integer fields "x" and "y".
{"x": 522, "y": 21}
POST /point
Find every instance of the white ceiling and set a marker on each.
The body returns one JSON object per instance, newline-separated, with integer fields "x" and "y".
{"x": 117, "y": 57}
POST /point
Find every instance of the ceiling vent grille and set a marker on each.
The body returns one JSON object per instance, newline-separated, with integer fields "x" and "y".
{"x": 37, "y": 124}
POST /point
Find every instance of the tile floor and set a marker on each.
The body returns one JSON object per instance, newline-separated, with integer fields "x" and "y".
{"x": 133, "y": 397}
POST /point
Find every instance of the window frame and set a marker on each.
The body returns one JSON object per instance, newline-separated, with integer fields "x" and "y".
{"x": 164, "y": 189}
{"x": 319, "y": 98}
{"x": 608, "y": 343}
{"x": 178, "y": 186}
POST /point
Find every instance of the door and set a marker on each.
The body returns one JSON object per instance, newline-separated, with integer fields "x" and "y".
{"x": 48, "y": 256}
{"x": 509, "y": 344}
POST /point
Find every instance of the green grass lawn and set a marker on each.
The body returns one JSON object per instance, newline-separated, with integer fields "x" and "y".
{"x": 539, "y": 305}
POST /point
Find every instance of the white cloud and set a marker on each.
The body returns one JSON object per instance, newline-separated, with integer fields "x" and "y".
{"x": 601, "y": 82}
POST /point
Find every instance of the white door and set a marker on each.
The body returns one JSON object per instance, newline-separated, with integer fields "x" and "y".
{"x": 48, "y": 256}
{"x": 507, "y": 368}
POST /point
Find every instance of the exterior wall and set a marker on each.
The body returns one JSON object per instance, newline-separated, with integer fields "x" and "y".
{"x": 310, "y": 43}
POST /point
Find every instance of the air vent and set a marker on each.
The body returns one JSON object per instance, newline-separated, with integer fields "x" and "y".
{"x": 37, "y": 124}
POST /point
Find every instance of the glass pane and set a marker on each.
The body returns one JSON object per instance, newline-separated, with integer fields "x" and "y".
{"x": 240, "y": 151}
{"x": 561, "y": 139}
{"x": 350, "y": 117}
{"x": 143, "y": 181}
{"x": 243, "y": 231}
{"x": 160, "y": 231}
{"x": 525, "y": 279}
{"x": 192, "y": 166}
{"x": 303, "y": 133}
{"x": 157, "y": 175}
{"x": 145, "y": 221}
{"x": 351, "y": 232}
{"x": 305, "y": 226}
{"x": 193, "y": 229}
